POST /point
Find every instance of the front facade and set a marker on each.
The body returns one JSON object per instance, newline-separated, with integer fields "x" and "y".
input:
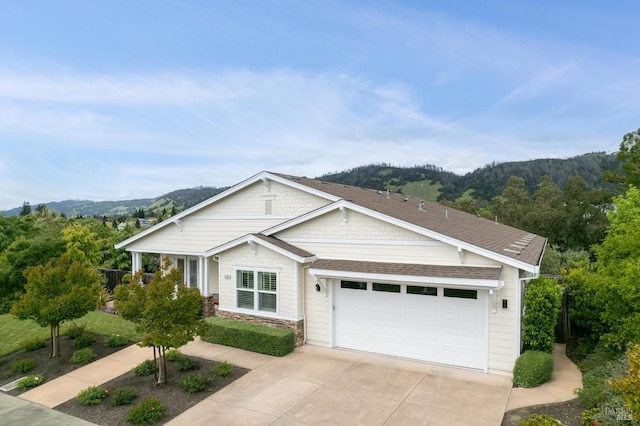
{"x": 354, "y": 268}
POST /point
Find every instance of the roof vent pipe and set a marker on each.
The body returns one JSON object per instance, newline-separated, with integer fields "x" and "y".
{"x": 421, "y": 206}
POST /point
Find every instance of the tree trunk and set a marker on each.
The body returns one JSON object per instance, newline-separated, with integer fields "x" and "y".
{"x": 55, "y": 341}
{"x": 162, "y": 367}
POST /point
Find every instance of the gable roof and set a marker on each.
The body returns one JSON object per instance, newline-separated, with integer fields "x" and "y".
{"x": 466, "y": 231}
{"x": 453, "y": 225}
{"x": 272, "y": 243}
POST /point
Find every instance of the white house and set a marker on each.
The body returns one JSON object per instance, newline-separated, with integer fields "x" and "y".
{"x": 356, "y": 268}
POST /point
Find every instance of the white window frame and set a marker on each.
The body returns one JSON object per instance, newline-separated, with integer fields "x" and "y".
{"x": 255, "y": 290}
{"x": 187, "y": 272}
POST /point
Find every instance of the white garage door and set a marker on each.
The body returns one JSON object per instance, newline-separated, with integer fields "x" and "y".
{"x": 433, "y": 324}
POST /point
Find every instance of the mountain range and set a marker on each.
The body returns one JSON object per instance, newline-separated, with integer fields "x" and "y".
{"x": 428, "y": 182}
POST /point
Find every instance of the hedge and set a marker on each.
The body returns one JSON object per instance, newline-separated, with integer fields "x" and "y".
{"x": 542, "y": 303}
{"x": 251, "y": 337}
{"x": 532, "y": 369}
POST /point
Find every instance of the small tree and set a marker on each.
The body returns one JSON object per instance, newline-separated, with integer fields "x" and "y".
{"x": 58, "y": 293}
{"x": 629, "y": 386}
{"x": 168, "y": 312}
{"x": 542, "y": 303}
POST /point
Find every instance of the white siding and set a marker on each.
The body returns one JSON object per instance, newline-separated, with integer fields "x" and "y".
{"x": 250, "y": 201}
{"x": 243, "y": 257}
{"x": 502, "y": 326}
{"x": 317, "y": 319}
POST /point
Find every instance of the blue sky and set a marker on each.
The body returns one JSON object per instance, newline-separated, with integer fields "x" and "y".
{"x": 109, "y": 100}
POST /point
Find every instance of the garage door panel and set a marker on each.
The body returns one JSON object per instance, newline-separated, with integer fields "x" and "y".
{"x": 439, "y": 329}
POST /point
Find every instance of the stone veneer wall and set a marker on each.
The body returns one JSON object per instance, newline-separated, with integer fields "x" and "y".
{"x": 296, "y": 326}
{"x": 208, "y": 306}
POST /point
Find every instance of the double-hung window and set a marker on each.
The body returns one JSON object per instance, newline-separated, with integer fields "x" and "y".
{"x": 257, "y": 290}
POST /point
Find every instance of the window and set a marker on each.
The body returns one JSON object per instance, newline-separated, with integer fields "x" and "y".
{"x": 189, "y": 267}
{"x": 354, "y": 285}
{"x": 193, "y": 273}
{"x": 389, "y": 288}
{"x": 257, "y": 290}
{"x": 425, "y": 291}
{"x": 460, "y": 293}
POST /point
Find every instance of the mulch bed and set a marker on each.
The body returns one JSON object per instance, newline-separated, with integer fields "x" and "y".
{"x": 569, "y": 413}
{"x": 176, "y": 400}
{"x": 51, "y": 368}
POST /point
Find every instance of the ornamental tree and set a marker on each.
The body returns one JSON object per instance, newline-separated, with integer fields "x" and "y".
{"x": 55, "y": 293}
{"x": 167, "y": 312}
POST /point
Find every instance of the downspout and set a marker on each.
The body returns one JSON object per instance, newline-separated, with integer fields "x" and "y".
{"x": 304, "y": 303}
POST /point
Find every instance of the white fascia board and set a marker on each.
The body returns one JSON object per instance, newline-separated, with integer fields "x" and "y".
{"x": 250, "y": 238}
{"x": 409, "y": 226}
{"x": 170, "y": 252}
{"x": 416, "y": 279}
{"x": 235, "y": 188}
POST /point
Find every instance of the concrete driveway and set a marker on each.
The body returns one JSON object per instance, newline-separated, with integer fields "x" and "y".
{"x": 319, "y": 386}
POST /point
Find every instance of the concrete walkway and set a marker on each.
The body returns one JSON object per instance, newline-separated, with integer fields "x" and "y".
{"x": 566, "y": 378}
{"x": 315, "y": 385}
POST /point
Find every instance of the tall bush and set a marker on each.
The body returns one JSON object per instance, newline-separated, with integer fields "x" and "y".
{"x": 542, "y": 302}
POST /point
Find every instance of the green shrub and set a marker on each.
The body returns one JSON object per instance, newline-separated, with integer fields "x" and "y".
{"x": 251, "y": 337}
{"x": 83, "y": 356}
{"x": 147, "y": 412}
{"x": 33, "y": 344}
{"x": 185, "y": 363}
{"x": 92, "y": 395}
{"x": 195, "y": 383}
{"x": 115, "y": 341}
{"x": 23, "y": 365}
{"x": 173, "y": 355}
{"x": 542, "y": 303}
{"x": 31, "y": 381}
{"x": 599, "y": 357}
{"x": 539, "y": 420}
{"x": 123, "y": 396}
{"x": 614, "y": 412}
{"x": 76, "y": 330}
{"x": 595, "y": 388}
{"x": 532, "y": 369}
{"x": 629, "y": 386}
{"x": 224, "y": 369}
{"x": 83, "y": 341}
{"x": 588, "y": 416}
{"x": 145, "y": 368}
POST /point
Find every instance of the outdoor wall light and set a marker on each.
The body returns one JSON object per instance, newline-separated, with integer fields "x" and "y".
{"x": 317, "y": 287}
{"x": 505, "y": 304}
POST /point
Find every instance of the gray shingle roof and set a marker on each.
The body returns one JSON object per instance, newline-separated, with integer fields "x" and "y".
{"x": 285, "y": 246}
{"x": 477, "y": 231}
{"x": 440, "y": 271}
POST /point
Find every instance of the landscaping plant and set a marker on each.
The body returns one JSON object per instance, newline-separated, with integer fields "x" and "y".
{"x": 116, "y": 340}
{"x": 145, "y": 368}
{"x": 92, "y": 395}
{"x": 224, "y": 369}
{"x": 83, "y": 356}
{"x": 123, "y": 396}
{"x": 30, "y": 381}
{"x": 23, "y": 365}
{"x": 532, "y": 369}
{"x": 542, "y": 303}
{"x": 195, "y": 383}
{"x": 147, "y": 412}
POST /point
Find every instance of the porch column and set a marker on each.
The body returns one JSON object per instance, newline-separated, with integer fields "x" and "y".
{"x": 136, "y": 261}
{"x": 205, "y": 275}
{"x": 201, "y": 275}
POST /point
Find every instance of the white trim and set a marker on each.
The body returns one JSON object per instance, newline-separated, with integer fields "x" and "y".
{"x": 416, "y": 243}
{"x": 332, "y": 307}
{"x": 253, "y": 241}
{"x": 486, "y": 332}
{"x": 255, "y": 290}
{"x": 275, "y": 218}
{"x": 440, "y": 281}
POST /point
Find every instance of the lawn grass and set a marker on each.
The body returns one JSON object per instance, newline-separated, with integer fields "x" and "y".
{"x": 14, "y": 332}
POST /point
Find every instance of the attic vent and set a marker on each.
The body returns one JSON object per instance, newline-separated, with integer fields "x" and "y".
{"x": 405, "y": 199}
{"x": 379, "y": 193}
{"x": 268, "y": 207}
{"x": 421, "y": 206}
{"x": 516, "y": 252}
